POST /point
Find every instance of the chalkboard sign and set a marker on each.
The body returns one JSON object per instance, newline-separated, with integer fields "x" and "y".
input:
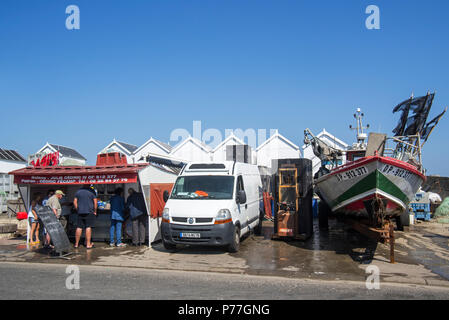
{"x": 54, "y": 228}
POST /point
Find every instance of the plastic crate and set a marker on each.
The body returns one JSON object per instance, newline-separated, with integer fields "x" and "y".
{"x": 423, "y": 216}
{"x": 420, "y": 207}
{"x": 421, "y": 211}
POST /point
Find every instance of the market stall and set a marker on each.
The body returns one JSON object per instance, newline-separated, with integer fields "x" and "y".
{"x": 149, "y": 178}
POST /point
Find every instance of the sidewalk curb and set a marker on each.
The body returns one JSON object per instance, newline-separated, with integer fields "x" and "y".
{"x": 241, "y": 272}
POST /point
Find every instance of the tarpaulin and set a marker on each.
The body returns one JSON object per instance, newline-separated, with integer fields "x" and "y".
{"x": 157, "y": 202}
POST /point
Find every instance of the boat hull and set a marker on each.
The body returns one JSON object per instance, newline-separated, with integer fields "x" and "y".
{"x": 354, "y": 188}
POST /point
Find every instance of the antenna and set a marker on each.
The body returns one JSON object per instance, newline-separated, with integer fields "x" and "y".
{"x": 361, "y": 135}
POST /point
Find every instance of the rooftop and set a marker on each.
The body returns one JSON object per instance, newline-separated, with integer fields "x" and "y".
{"x": 130, "y": 147}
{"x": 11, "y": 155}
{"x": 67, "y": 152}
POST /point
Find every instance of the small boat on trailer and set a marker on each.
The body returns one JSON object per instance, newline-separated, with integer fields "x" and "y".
{"x": 375, "y": 183}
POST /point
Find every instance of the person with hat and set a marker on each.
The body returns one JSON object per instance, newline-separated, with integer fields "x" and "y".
{"x": 55, "y": 205}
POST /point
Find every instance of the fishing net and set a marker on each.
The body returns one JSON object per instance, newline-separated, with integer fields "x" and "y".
{"x": 443, "y": 209}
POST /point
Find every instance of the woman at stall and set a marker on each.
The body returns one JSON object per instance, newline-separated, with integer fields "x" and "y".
{"x": 117, "y": 218}
{"x": 34, "y": 220}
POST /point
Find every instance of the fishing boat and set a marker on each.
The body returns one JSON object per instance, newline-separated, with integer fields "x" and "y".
{"x": 375, "y": 181}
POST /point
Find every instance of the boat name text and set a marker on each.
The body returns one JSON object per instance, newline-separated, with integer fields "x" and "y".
{"x": 351, "y": 174}
{"x": 395, "y": 171}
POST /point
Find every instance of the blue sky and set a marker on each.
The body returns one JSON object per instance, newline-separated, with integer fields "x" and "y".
{"x": 138, "y": 68}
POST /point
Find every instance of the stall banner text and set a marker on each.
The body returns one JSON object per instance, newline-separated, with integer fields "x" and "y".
{"x": 78, "y": 179}
{"x": 49, "y": 160}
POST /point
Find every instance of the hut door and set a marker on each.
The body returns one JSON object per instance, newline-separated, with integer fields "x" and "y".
{"x": 157, "y": 202}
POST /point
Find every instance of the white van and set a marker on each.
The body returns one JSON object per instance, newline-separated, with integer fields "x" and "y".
{"x": 213, "y": 204}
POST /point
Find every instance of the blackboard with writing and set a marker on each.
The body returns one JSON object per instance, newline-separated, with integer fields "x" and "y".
{"x": 54, "y": 228}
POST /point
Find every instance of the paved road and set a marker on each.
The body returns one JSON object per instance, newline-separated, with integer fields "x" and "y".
{"x": 48, "y": 281}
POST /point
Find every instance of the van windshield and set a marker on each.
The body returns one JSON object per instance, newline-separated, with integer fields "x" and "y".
{"x": 203, "y": 187}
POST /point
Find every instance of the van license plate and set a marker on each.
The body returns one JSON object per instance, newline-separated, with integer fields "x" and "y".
{"x": 190, "y": 235}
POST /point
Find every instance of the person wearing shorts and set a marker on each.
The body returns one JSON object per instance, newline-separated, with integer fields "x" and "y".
{"x": 34, "y": 221}
{"x": 85, "y": 203}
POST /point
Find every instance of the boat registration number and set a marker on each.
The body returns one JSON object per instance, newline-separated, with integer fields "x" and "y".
{"x": 351, "y": 174}
{"x": 395, "y": 171}
{"x": 190, "y": 235}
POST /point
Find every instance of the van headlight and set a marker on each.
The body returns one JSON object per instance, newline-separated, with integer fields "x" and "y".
{"x": 223, "y": 216}
{"x": 165, "y": 214}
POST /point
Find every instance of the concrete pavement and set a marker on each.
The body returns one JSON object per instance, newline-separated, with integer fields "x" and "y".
{"x": 338, "y": 255}
{"x": 48, "y": 281}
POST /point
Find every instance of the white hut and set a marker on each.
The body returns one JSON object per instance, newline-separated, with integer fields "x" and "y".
{"x": 219, "y": 152}
{"x": 276, "y": 147}
{"x": 9, "y": 160}
{"x": 191, "y": 149}
{"x": 67, "y": 156}
{"x": 328, "y": 138}
{"x": 122, "y": 147}
{"x": 152, "y": 147}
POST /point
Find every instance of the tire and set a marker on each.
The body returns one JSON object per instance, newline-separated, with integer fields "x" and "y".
{"x": 235, "y": 245}
{"x": 323, "y": 215}
{"x": 168, "y": 246}
{"x": 399, "y": 224}
{"x": 403, "y": 220}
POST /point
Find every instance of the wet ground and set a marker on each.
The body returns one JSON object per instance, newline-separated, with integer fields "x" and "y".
{"x": 422, "y": 256}
{"x": 427, "y": 244}
{"x": 332, "y": 254}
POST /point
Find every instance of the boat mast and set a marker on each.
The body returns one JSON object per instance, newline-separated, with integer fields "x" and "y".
{"x": 361, "y": 135}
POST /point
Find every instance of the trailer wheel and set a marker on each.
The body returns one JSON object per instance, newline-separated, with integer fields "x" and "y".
{"x": 399, "y": 225}
{"x": 403, "y": 220}
{"x": 234, "y": 246}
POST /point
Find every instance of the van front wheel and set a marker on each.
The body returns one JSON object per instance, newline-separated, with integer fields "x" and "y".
{"x": 168, "y": 246}
{"x": 234, "y": 246}
{"x": 258, "y": 228}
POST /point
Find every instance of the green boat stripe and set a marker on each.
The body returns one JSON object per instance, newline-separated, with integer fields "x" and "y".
{"x": 372, "y": 181}
{"x": 389, "y": 187}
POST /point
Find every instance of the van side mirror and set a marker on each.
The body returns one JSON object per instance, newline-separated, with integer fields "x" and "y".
{"x": 166, "y": 195}
{"x": 241, "y": 197}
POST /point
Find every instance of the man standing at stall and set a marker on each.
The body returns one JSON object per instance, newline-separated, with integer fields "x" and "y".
{"x": 138, "y": 212}
{"x": 85, "y": 203}
{"x": 54, "y": 203}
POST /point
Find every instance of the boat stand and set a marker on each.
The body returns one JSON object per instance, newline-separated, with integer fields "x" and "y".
{"x": 384, "y": 234}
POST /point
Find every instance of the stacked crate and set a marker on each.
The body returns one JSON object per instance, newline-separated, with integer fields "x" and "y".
{"x": 421, "y": 210}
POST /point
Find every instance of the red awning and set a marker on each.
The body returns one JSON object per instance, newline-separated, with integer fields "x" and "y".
{"x": 68, "y": 175}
